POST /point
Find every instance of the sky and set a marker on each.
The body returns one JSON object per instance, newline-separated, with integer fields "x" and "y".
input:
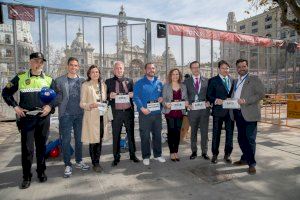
{"x": 212, "y": 13}
{"x": 204, "y": 13}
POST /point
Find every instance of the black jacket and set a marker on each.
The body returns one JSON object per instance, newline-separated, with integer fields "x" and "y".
{"x": 217, "y": 90}
{"x": 111, "y": 87}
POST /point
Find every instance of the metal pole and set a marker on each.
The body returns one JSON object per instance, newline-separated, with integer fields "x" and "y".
{"x": 268, "y": 67}
{"x": 182, "y": 52}
{"x": 286, "y": 65}
{"x": 83, "y": 46}
{"x": 167, "y": 50}
{"x": 40, "y": 30}
{"x": 15, "y": 45}
{"x": 100, "y": 43}
{"x": 148, "y": 40}
{"x": 66, "y": 32}
{"x": 211, "y": 58}
{"x": 44, "y": 36}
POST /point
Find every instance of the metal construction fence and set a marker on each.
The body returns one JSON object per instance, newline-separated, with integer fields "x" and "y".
{"x": 101, "y": 39}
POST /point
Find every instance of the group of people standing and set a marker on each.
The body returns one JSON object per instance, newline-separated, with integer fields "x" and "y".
{"x": 86, "y": 106}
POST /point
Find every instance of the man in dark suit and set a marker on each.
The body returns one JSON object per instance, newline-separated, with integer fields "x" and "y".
{"x": 220, "y": 88}
{"x": 120, "y": 93}
{"x": 248, "y": 91}
{"x": 196, "y": 90}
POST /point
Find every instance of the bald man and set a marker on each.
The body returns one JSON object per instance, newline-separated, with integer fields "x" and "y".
{"x": 120, "y": 93}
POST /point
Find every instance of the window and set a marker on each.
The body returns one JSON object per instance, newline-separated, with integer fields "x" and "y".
{"x": 268, "y": 26}
{"x": 242, "y": 27}
{"x": 96, "y": 62}
{"x": 292, "y": 33}
{"x": 254, "y": 23}
{"x": 8, "y": 53}
{"x": 268, "y": 18}
{"x": 254, "y": 30}
{"x": 283, "y": 35}
{"x": 269, "y": 35}
{"x": 7, "y": 39}
{"x": 82, "y": 61}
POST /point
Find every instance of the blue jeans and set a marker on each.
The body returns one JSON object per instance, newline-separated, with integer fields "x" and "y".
{"x": 66, "y": 124}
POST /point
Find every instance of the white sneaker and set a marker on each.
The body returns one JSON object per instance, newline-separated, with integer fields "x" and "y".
{"x": 160, "y": 159}
{"x": 81, "y": 165}
{"x": 146, "y": 161}
{"x": 68, "y": 172}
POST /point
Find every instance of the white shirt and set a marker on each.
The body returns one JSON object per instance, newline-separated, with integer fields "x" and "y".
{"x": 199, "y": 80}
{"x": 239, "y": 86}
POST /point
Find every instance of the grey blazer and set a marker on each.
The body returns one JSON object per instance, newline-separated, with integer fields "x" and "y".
{"x": 191, "y": 89}
{"x": 168, "y": 96}
{"x": 253, "y": 92}
{"x": 201, "y": 95}
{"x": 62, "y": 91}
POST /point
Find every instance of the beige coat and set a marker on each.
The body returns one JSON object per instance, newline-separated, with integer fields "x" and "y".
{"x": 91, "y": 117}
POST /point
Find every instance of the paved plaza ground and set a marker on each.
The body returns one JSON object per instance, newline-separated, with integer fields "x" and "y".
{"x": 278, "y": 172}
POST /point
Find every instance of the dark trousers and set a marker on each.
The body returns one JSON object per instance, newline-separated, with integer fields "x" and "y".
{"x": 217, "y": 128}
{"x": 150, "y": 123}
{"x": 95, "y": 148}
{"x": 34, "y": 130}
{"x": 121, "y": 117}
{"x": 247, "y": 132}
{"x": 199, "y": 118}
{"x": 174, "y": 127}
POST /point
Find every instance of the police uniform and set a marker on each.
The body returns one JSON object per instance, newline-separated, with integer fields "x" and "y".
{"x": 34, "y": 128}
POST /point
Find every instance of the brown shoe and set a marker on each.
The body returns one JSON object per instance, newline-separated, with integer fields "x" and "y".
{"x": 239, "y": 163}
{"x": 252, "y": 170}
{"x": 97, "y": 168}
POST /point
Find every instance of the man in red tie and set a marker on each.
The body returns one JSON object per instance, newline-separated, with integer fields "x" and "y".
{"x": 199, "y": 109}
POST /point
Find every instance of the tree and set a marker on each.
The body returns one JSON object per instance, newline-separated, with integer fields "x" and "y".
{"x": 285, "y": 5}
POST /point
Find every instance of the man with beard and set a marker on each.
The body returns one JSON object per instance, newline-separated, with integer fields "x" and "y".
{"x": 147, "y": 95}
{"x": 33, "y": 115}
{"x": 248, "y": 92}
{"x": 120, "y": 93}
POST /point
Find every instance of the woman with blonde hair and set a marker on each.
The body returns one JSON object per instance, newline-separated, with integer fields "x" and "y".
{"x": 93, "y": 101}
{"x": 174, "y": 91}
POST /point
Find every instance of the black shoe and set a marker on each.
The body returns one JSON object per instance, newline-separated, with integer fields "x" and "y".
{"x": 25, "y": 184}
{"x": 42, "y": 177}
{"x": 205, "y": 156}
{"x": 134, "y": 159}
{"x": 115, "y": 162}
{"x": 227, "y": 159}
{"x": 214, "y": 159}
{"x": 193, "y": 155}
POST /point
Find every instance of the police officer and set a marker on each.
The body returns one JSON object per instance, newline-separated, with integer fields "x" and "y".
{"x": 34, "y": 126}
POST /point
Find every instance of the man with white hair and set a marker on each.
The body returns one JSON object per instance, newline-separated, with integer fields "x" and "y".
{"x": 120, "y": 93}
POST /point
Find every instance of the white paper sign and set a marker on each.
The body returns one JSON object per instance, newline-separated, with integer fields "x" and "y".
{"x": 231, "y": 104}
{"x": 102, "y": 108}
{"x": 33, "y": 112}
{"x": 177, "y": 105}
{"x": 198, "y": 105}
{"x": 122, "y": 98}
{"x": 153, "y": 106}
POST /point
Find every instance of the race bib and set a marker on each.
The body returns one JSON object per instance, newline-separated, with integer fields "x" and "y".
{"x": 178, "y": 105}
{"x": 231, "y": 104}
{"x": 200, "y": 105}
{"x": 102, "y": 107}
{"x": 155, "y": 106}
{"x": 122, "y": 98}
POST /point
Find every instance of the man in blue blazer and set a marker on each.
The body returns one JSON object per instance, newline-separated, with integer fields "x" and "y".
{"x": 219, "y": 88}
